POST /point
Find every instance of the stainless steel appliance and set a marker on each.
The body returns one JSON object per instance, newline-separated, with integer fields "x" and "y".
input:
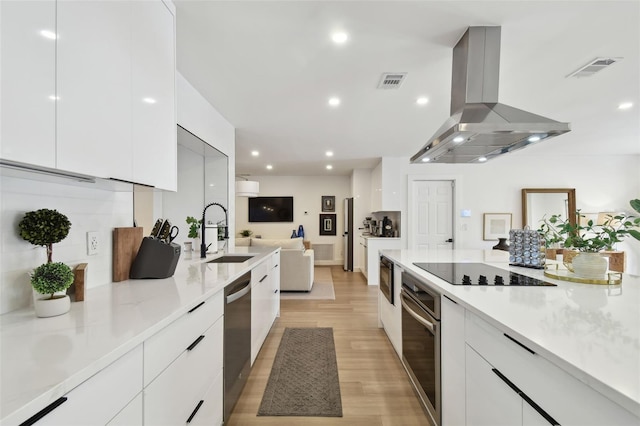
{"x": 421, "y": 336}
{"x": 237, "y": 340}
{"x": 479, "y": 274}
{"x": 348, "y": 234}
{"x": 480, "y": 127}
{"x": 386, "y": 278}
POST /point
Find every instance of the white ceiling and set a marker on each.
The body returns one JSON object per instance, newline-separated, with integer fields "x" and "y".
{"x": 269, "y": 68}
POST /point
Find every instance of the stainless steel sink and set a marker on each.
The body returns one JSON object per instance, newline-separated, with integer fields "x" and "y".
{"x": 230, "y": 258}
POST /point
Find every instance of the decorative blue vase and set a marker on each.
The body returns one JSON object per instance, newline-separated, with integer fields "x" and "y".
{"x": 300, "y": 231}
{"x": 294, "y": 235}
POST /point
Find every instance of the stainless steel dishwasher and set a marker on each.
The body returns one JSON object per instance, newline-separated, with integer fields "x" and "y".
{"x": 237, "y": 340}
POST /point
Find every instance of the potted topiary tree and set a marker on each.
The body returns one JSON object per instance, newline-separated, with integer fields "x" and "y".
{"x": 194, "y": 232}
{"x": 46, "y": 227}
{"x": 49, "y": 279}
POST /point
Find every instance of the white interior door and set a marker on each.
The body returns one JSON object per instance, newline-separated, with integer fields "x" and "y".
{"x": 431, "y": 214}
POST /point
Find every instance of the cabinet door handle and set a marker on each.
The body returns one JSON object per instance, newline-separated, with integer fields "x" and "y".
{"x": 263, "y": 278}
{"x": 525, "y": 397}
{"x": 518, "y": 343}
{"x": 195, "y": 410}
{"x": 195, "y": 307}
{"x": 275, "y": 291}
{"x": 46, "y": 410}
{"x": 195, "y": 343}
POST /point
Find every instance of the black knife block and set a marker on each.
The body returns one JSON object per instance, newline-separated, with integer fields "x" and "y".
{"x": 155, "y": 259}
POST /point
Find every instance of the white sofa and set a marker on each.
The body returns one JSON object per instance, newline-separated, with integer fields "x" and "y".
{"x": 296, "y": 263}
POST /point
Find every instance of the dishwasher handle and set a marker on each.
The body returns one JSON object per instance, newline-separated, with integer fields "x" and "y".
{"x": 238, "y": 294}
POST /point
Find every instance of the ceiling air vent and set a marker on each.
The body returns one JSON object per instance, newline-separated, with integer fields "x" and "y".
{"x": 593, "y": 67}
{"x": 392, "y": 80}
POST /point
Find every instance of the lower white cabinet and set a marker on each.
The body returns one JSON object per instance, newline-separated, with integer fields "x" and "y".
{"x": 176, "y": 393}
{"x": 210, "y": 412}
{"x": 373, "y": 245}
{"x": 275, "y": 285}
{"x": 265, "y": 301}
{"x": 99, "y": 399}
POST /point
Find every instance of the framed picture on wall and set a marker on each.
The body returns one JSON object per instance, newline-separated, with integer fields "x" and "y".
{"x": 496, "y": 225}
{"x": 327, "y": 224}
{"x": 328, "y": 203}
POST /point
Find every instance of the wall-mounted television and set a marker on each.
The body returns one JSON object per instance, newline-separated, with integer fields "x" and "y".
{"x": 271, "y": 209}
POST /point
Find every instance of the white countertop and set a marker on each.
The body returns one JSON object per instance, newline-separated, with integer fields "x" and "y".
{"x": 44, "y": 358}
{"x": 591, "y": 331}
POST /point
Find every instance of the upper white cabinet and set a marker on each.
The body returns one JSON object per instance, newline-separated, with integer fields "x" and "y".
{"x": 386, "y": 188}
{"x": 99, "y": 97}
{"x": 153, "y": 95}
{"x": 27, "y": 81}
{"x": 94, "y": 88}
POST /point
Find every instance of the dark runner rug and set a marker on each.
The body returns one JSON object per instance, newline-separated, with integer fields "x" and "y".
{"x": 304, "y": 377}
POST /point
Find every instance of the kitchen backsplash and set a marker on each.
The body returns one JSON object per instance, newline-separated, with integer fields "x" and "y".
{"x": 89, "y": 207}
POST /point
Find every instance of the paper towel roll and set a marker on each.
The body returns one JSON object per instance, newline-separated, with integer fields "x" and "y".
{"x": 211, "y": 238}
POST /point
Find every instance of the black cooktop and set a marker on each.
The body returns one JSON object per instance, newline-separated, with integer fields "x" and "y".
{"x": 479, "y": 274}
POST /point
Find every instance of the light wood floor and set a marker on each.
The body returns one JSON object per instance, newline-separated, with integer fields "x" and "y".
{"x": 374, "y": 387}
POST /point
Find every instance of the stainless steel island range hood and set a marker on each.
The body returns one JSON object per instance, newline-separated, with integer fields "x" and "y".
{"x": 480, "y": 128}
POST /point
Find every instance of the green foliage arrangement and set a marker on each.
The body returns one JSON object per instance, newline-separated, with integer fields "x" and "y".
{"x": 52, "y": 277}
{"x": 194, "y": 226}
{"x": 592, "y": 238}
{"x": 246, "y": 232}
{"x": 44, "y": 227}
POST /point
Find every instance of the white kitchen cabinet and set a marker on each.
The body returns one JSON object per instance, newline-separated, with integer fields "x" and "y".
{"x": 210, "y": 412}
{"x": 452, "y": 361}
{"x": 275, "y": 285}
{"x": 386, "y": 188}
{"x": 391, "y": 315}
{"x": 154, "y": 137}
{"x": 100, "y": 398}
{"x": 175, "y": 394}
{"x": 94, "y": 114}
{"x": 362, "y": 253}
{"x": 131, "y": 415}
{"x": 27, "y": 81}
{"x": 261, "y": 307}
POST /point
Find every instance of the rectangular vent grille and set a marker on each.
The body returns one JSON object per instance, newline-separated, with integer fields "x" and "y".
{"x": 593, "y": 67}
{"x": 322, "y": 251}
{"x": 392, "y": 80}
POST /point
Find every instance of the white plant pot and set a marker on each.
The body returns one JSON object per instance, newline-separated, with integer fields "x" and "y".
{"x": 46, "y": 307}
{"x": 590, "y": 265}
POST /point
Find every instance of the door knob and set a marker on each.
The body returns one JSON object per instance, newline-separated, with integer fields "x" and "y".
{"x": 450, "y": 240}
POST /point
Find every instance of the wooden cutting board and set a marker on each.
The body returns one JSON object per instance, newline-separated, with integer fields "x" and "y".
{"x": 126, "y": 242}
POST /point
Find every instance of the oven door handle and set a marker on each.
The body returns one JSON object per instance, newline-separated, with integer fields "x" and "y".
{"x": 416, "y": 316}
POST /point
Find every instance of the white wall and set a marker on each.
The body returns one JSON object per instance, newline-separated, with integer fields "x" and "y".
{"x": 602, "y": 184}
{"x": 307, "y": 192}
{"x": 361, "y": 190}
{"x": 89, "y": 207}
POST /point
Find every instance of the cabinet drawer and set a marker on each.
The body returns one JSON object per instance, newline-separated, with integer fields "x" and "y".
{"x": 100, "y": 398}
{"x": 172, "y": 396}
{"x": 555, "y": 390}
{"x": 259, "y": 272}
{"x": 131, "y": 415}
{"x": 166, "y": 345}
{"x": 210, "y": 412}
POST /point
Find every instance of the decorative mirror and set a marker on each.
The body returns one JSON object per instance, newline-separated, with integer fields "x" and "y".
{"x": 545, "y": 202}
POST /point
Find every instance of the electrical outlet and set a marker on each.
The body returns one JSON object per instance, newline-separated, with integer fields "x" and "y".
{"x": 93, "y": 243}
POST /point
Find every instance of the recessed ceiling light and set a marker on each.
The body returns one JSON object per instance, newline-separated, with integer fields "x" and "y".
{"x": 339, "y": 37}
{"x": 149, "y": 100}
{"x": 422, "y": 100}
{"x": 255, "y": 153}
{"x": 425, "y": 160}
{"x": 458, "y": 139}
{"x": 334, "y": 101}
{"x": 482, "y": 159}
{"x": 329, "y": 167}
{"x": 49, "y": 34}
{"x": 625, "y": 105}
{"x": 534, "y": 138}
{"x": 329, "y": 153}
{"x": 269, "y": 167}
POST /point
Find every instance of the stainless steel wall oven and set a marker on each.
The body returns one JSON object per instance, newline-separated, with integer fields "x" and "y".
{"x": 386, "y": 279}
{"x": 421, "y": 342}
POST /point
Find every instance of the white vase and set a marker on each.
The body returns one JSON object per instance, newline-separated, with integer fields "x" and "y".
{"x": 46, "y": 307}
{"x": 590, "y": 265}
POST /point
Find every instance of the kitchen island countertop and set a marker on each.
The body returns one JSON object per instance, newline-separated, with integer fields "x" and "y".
{"x": 591, "y": 331}
{"x": 44, "y": 358}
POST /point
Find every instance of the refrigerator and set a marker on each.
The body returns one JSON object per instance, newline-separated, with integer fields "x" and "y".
{"x": 348, "y": 234}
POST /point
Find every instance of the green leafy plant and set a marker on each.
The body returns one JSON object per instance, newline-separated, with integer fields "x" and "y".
{"x": 44, "y": 227}
{"x": 549, "y": 232}
{"x": 50, "y": 278}
{"x": 246, "y": 233}
{"x": 592, "y": 238}
{"x": 194, "y": 226}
